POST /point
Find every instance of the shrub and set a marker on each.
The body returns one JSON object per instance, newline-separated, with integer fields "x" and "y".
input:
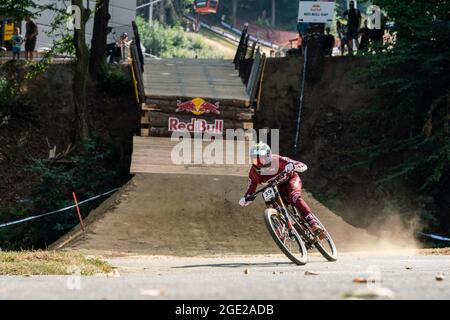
{"x": 114, "y": 80}
{"x": 174, "y": 42}
{"x": 8, "y": 95}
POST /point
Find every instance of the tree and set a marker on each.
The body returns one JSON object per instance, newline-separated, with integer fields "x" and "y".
{"x": 234, "y": 10}
{"x": 99, "y": 38}
{"x": 408, "y": 125}
{"x": 162, "y": 11}
{"x": 274, "y": 12}
{"x": 17, "y": 9}
{"x": 81, "y": 74}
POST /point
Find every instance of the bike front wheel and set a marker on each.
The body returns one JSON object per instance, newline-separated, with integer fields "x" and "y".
{"x": 290, "y": 243}
{"x": 326, "y": 246}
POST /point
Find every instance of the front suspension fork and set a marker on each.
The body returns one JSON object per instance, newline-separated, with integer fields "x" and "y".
{"x": 283, "y": 211}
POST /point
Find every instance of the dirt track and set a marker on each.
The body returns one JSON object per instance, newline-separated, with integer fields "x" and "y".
{"x": 187, "y": 215}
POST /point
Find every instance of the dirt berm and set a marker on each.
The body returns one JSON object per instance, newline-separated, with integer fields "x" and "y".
{"x": 187, "y": 215}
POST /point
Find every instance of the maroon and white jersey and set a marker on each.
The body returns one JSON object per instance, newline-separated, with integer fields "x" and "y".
{"x": 279, "y": 163}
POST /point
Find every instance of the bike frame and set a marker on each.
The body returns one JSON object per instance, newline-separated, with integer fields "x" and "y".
{"x": 292, "y": 219}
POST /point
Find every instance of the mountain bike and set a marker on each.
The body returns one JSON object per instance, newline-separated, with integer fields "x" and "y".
{"x": 290, "y": 231}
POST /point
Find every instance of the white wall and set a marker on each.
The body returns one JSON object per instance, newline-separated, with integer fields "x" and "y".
{"x": 122, "y": 13}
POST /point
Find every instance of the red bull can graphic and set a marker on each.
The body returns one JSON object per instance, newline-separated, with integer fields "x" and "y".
{"x": 195, "y": 126}
{"x": 198, "y": 107}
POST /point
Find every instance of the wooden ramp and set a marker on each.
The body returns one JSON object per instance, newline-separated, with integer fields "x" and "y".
{"x": 157, "y": 155}
{"x": 193, "y": 96}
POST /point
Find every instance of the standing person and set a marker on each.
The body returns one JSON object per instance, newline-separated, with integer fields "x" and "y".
{"x": 353, "y": 17}
{"x": 328, "y": 42}
{"x": 366, "y": 35}
{"x": 342, "y": 34}
{"x": 30, "y": 38}
{"x": 17, "y": 41}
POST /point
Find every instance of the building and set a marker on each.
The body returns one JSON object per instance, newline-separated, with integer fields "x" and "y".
{"x": 122, "y": 14}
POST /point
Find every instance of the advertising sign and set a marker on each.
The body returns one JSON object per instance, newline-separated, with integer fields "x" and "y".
{"x": 316, "y": 11}
{"x": 9, "y": 31}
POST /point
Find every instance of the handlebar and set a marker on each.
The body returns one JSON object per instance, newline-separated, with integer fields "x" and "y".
{"x": 270, "y": 183}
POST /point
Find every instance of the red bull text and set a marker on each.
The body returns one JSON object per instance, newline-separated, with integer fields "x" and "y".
{"x": 195, "y": 126}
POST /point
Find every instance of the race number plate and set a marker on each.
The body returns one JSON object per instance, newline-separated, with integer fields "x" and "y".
{"x": 269, "y": 195}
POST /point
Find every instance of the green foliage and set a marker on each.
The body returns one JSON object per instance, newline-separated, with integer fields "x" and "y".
{"x": 8, "y": 95}
{"x": 17, "y": 212}
{"x": 63, "y": 45}
{"x": 88, "y": 173}
{"x": 114, "y": 81}
{"x": 174, "y": 42}
{"x": 17, "y": 9}
{"x": 87, "y": 176}
{"x": 408, "y": 126}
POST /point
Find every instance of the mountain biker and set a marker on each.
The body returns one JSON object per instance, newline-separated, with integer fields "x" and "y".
{"x": 266, "y": 166}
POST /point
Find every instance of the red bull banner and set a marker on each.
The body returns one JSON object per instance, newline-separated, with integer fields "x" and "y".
{"x": 198, "y": 107}
{"x": 195, "y": 126}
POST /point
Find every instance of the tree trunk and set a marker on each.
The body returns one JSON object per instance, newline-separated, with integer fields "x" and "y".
{"x": 81, "y": 74}
{"x": 173, "y": 18}
{"x": 235, "y": 5}
{"x": 162, "y": 11}
{"x": 99, "y": 38}
{"x": 274, "y": 12}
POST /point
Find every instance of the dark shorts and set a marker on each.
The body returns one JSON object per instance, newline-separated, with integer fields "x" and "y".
{"x": 30, "y": 45}
{"x": 352, "y": 33}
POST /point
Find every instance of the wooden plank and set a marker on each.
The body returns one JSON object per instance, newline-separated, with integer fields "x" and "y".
{"x": 154, "y": 99}
{"x": 217, "y": 170}
{"x": 145, "y": 132}
{"x": 172, "y": 103}
{"x": 160, "y": 119}
{"x": 148, "y": 107}
{"x": 153, "y": 155}
{"x": 232, "y": 113}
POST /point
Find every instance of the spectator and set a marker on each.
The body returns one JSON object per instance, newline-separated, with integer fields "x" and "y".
{"x": 353, "y": 17}
{"x": 366, "y": 35}
{"x": 124, "y": 45}
{"x": 378, "y": 34}
{"x": 328, "y": 42}
{"x": 342, "y": 34}
{"x": 17, "y": 41}
{"x": 30, "y": 38}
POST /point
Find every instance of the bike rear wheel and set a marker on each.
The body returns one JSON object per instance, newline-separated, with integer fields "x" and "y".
{"x": 292, "y": 246}
{"x": 326, "y": 246}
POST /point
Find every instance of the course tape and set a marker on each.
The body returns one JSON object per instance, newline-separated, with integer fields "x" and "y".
{"x": 434, "y": 237}
{"x": 3, "y": 225}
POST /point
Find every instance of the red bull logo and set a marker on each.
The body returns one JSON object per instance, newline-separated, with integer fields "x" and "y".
{"x": 195, "y": 126}
{"x": 198, "y": 106}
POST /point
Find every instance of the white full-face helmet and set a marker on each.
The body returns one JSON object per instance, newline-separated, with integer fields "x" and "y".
{"x": 261, "y": 156}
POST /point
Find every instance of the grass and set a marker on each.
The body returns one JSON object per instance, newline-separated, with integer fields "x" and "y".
{"x": 28, "y": 263}
{"x": 225, "y": 42}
